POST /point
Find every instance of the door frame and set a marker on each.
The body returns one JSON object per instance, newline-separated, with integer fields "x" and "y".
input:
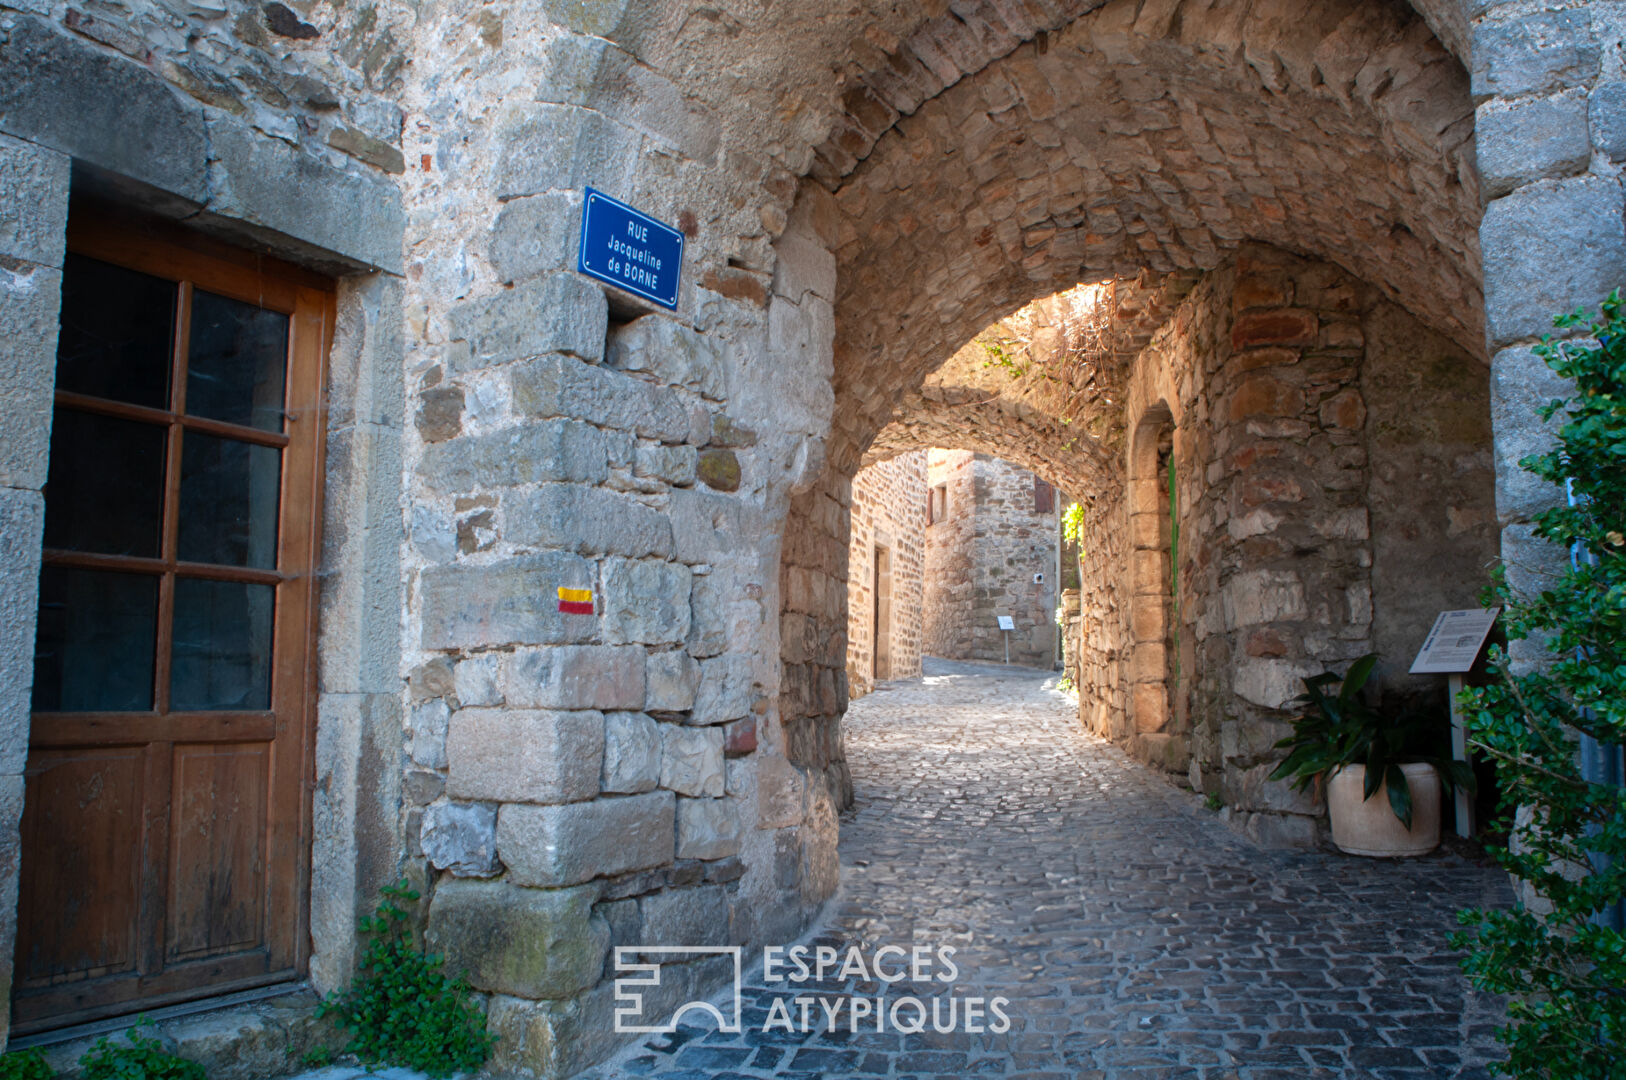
{"x": 166, "y": 250}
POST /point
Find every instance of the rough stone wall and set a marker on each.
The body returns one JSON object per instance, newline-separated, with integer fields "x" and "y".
{"x": 950, "y": 573}
{"x": 888, "y": 511}
{"x": 1549, "y": 86}
{"x": 1014, "y": 543}
{"x": 981, "y": 560}
{"x": 1298, "y": 399}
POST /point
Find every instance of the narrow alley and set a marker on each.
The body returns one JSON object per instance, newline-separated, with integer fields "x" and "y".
{"x": 1132, "y": 932}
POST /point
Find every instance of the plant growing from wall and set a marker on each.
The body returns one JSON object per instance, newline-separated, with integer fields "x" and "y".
{"x": 401, "y": 1008}
{"x": 1556, "y": 955}
{"x": 1072, "y": 525}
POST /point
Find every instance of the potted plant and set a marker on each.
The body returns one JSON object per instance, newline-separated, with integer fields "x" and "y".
{"x": 1384, "y": 773}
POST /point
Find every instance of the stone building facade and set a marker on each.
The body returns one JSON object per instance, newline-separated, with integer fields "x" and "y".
{"x": 468, "y": 427}
{"x": 886, "y": 561}
{"x": 991, "y": 550}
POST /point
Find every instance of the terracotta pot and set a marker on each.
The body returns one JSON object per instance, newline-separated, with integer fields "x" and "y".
{"x": 1369, "y": 826}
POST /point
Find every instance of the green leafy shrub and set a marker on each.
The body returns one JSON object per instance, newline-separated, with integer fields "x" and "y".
{"x": 1338, "y": 729}
{"x": 140, "y": 1057}
{"x": 25, "y": 1065}
{"x": 401, "y": 1008}
{"x": 1564, "y": 975}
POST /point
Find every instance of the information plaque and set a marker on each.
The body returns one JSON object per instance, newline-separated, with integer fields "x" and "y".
{"x": 1454, "y": 642}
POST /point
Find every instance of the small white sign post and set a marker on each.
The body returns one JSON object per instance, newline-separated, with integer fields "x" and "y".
{"x": 1007, "y": 624}
{"x": 1450, "y": 649}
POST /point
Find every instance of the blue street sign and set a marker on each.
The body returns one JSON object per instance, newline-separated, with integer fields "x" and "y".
{"x": 629, "y": 249}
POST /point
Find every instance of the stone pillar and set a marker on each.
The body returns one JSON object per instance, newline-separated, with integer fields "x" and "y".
{"x": 1550, "y": 130}
{"x": 33, "y": 222}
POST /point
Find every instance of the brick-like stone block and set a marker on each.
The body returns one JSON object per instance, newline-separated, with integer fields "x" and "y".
{"x": 695, "y": 916}
{"x": 560, "y": 313}
{"x": 510, "y": 755}
{"x": 546, "y": 147}
{"x": 1284, "y": 326}
{"x": 29, "y": 301}
{"x": 1263, "y": 596}
{"x": 740, "y": 737}
{"x": 566, "y": 845}
{"x": 586, "y": 520}
{"x": 536, "y": 235}
{"x": 556, "y": 450}
{"x": 725, "y": 689}
{"x": 1521, "y": 141}
{"x": 62, "y": 92}
{"x": 577, "y": 677}
{"x": 461, "y": 838}
{"x": 1606, "y": 116}
{"x": 671, "y": 679}
{"x": 1529, "y": 51}
{"x": 34, "y": 214}
{"x": 692, "y": 760}
{"x": 533, "y": 943}
{"x": 1262, "y": 395}
{"x": 263, "y": 181}
{"x": 508, "y": 603}
{"x": 671, "y": 352}
{"x": 1521, "y": 383}
{"x": 708, "y": 828}
{"x": 1548, "y": 248}
{"x": 556, "y": 385}
{"x": 632, "y": 753}
{"x": 646, "y": 602}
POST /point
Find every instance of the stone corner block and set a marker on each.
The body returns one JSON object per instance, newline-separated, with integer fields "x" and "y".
{"x": 533, "y": 943}
{"x": 558, "y": 313}
{"x": 508, "y": 755}
{"x": 671, "y": 679}
{"x": 566, "y": 845}
{"x": 692, "y": 760}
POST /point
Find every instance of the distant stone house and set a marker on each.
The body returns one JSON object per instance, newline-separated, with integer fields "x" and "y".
{"x": 350, "y": 534}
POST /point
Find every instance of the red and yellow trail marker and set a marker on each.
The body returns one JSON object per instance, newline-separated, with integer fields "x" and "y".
{"x": 576, "y": 601}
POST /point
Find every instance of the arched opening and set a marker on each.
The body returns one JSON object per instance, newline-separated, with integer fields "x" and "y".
{"x": 1156, "y": 702}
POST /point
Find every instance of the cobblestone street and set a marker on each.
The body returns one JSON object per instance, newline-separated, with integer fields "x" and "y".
{"x": 1133, "y": 933}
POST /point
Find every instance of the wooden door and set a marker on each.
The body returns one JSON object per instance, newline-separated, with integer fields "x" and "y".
{"x": 166, "y": 818}
{"x": 883, "y": 615}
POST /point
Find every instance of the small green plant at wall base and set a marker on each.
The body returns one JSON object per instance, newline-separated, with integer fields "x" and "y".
{"x": 401, "y": 1008}
{"x": 139, "y": 1057}
{"x": 1214, "y": 802}
{"x": 1562, "y": 967}
{"x": 25, "y": 1065}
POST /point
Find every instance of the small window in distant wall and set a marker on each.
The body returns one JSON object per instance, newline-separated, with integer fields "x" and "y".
{"x": 1044, "y": 497}
{"x": 937, "y": 505}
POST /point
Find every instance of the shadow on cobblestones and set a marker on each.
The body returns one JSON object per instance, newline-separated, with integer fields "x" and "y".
{"x": 1133, "y": 934}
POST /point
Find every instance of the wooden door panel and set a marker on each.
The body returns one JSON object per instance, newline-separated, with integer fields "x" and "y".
{"x": 217, "y": 849}
{"x": 82, "y": 830}
{"x": 167, "y": 827}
